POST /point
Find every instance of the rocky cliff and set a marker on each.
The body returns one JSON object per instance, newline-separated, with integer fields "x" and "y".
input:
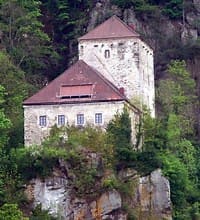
{"x": 148, "y": 199}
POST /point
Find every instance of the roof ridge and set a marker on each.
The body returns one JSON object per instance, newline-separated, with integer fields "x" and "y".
{"x": 113, "y": 27}
{"x": 125, "y": 24}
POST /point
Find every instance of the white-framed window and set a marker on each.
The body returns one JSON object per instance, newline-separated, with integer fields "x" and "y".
{"x": 43, "y": 120}
{"x": 61, "y": 120}
{"x": 98, "y": 118}
{"x": 107, "y": 53}
{"x": 80, "y": 119}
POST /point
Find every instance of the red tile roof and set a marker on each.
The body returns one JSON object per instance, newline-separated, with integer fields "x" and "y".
{"x": 111, "y": 28}
{"x": 78, "y": 80}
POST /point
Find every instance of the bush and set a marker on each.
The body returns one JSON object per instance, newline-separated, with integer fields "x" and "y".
{"x": 178, "y": 177}
{"x": 39, "y": 214}
{"x": 173, "y": 8}
{"x": 11, "y": 212}
{"x": 37, "y": 160}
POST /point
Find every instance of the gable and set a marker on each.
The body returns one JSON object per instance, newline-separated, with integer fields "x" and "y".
{"x": 111, "y": 28}
{"x": 79, "y": 83}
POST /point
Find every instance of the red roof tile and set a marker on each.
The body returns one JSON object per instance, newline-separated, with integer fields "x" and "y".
{"x": 111, "y": 28}
{"x": 75, "y": 82}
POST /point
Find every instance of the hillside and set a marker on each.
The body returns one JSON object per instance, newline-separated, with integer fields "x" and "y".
{"x": 39, "y": 41}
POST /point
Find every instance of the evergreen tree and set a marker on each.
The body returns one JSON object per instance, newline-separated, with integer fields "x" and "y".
{"x": 23, "y": 37}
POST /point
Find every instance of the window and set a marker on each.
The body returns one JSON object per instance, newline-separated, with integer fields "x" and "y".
{"x": 80, "y": 119}
{"x": 61, "y": 120}
{"x": 76, "y": 91}
{"x": 98, "y": 118}
{"x": 81, "y": 50}
{"x": 43, "y": 120}
{"x": 107, "y": 54}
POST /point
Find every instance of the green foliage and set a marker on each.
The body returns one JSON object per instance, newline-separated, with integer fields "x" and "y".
{"x": 10, "y": 180}
{"x": 39, "y": 214}
{"x": 73, "y": 138}
{"x": 177, "y": 173}
{"x": 119, "y": 134}
{"x": 173, "y": 8}
{"x": 177, "y": 96}
{"x": 15, "y": 90}
{"x": 37, "y": 160}
{"x": 11, "y": 212}
{"x": 154, "y": 132}
{"x": 22, "y": 35}
{"x": 141, "y": 7}
{"x": 178, "y": 154}
{"x": 66, "y": 21}
{"x": 110, "y": 183}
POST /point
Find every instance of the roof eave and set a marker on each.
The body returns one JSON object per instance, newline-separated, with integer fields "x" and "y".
{"x": 105, "y": 38}
{"x": 72, "y": 102}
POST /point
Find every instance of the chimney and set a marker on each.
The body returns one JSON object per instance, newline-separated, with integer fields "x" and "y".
{"x": 132, "y": 26}
{"x": 121, "y": 90}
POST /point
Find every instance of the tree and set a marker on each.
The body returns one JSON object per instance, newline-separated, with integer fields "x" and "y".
{"x": 176, "y": 95}
{"x": 15, "y": 91}
{"x": 22, "y": 35}
{"x": 11, "y": 212}
{"x": 5, "y": 123}
{"x": 119, "y": 135}
{"x": 173, "y": 8}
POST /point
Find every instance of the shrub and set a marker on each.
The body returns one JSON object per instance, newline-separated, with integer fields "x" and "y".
{"x": 39, "y": 214}
{"x": 11, "y": 212}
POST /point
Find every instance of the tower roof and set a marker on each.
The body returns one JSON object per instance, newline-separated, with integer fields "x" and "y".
{"x": 111, "y": 28}
{"x": 79, "y": 83}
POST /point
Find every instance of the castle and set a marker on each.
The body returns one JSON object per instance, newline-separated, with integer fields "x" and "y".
{"x": 114, "y": 69}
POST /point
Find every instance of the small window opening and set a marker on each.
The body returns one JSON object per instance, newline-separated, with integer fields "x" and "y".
{"x": 81, "y": 50}
{"x": 61, "y": 120}
{"x": 80, "y": 119}
{"x": 43, "y": 120}
{"x": 98, "y": 118}
{"x": 107, "y": 53}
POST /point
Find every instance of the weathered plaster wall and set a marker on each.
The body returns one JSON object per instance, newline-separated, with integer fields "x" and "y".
{"x": 129, "y": 65}
{"x": 34, "y": 133}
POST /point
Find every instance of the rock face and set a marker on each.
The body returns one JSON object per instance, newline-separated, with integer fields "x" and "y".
{"x": 53, "y": 195}
{"x": 151, "y": 199}
{"x": 153, "y": 196}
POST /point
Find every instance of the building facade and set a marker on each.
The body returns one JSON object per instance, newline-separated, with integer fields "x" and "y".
{"x": 115, "y": 67}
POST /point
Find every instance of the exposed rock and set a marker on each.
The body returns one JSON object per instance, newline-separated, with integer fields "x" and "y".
{"x": 150, "y": 195}
{"x": 190, "y": 18}
{"x": 52, "y": 195}
{"x": 102, "y": 10}
{"x": 153, "y": 196}
{"x": 197, "y": 5}
{"x": 188, "y": 35}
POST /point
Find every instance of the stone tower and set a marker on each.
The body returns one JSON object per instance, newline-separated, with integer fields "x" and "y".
{"x": 116, "y": 50}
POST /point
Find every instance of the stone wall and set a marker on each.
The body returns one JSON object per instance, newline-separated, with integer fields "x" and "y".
{"x": 34, "y": 133}
{"x": 127, "y": 63}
